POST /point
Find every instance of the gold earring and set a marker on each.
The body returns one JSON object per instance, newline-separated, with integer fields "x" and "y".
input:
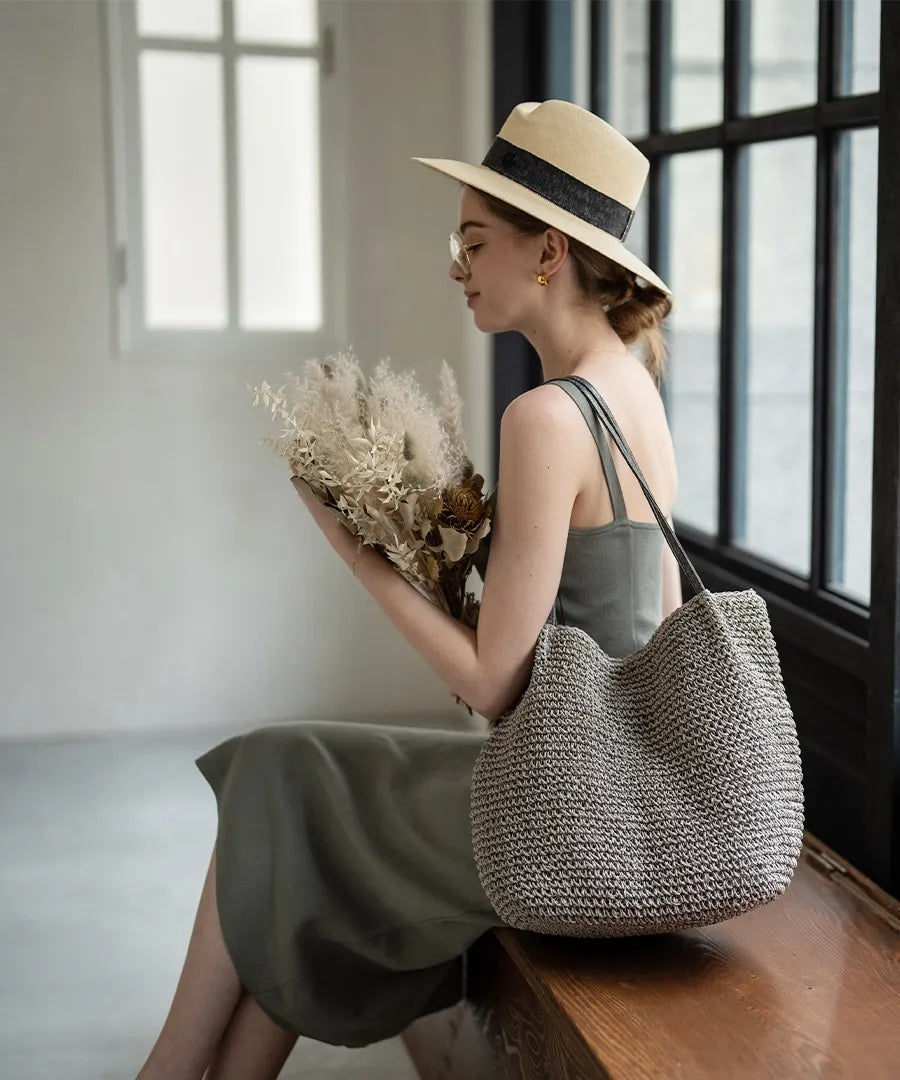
{"x": 541, "y": 280}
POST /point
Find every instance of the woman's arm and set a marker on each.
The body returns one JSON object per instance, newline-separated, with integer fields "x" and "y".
{"x": 489, "y": 667}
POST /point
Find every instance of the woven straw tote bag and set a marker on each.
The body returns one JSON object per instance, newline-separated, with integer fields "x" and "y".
{"x": 646, "y": 793}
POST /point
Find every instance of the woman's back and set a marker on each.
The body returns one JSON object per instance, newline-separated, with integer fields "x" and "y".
{"x": 628, "y": 389}
{"x": 612, "y": 579}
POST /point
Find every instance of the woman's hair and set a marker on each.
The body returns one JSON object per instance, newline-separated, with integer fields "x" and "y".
{"x": 634, "y": 311}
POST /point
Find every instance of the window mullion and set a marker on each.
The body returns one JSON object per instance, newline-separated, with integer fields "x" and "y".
{"x": 657, "y": 179}
{"x": 822, "y": 417}
{"x": 732, "y": 441}
{"x": 600, "y": 57}
{"x": 838, "y": 374}
{"x": 821, "y": 489}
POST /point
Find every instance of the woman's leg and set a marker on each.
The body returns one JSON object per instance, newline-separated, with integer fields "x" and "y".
{"x": 204, "y": 1001}
{"x": 253, "y": 1047}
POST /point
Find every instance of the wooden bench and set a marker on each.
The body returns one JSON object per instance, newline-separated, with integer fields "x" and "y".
{"x": 807, "y": 986}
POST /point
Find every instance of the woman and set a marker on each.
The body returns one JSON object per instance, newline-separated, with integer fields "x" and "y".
{"x": 342, "y": 893}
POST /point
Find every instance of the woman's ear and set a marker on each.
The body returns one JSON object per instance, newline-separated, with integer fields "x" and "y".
{"x": 553, "y": 254}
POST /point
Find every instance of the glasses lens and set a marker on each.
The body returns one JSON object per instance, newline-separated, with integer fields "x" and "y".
{"x": 458, "y": 251}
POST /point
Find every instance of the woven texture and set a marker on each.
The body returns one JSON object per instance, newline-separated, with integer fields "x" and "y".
{"x": 646, "y": 793}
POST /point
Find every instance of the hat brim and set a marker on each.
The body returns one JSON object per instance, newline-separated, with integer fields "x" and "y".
{"x": 485, "y": 179}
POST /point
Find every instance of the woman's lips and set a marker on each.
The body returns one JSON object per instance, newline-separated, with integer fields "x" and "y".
{"x": 472, "y": 299}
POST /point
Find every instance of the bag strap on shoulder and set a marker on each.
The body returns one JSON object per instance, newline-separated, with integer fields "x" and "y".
{"x": 605, "y": 416}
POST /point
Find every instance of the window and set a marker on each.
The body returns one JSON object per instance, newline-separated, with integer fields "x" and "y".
{"x": 775, "y": 400}
{"x": 695, "y": 68}
{"x": 773, "y": 135}
{"x": 852, "y": 387}
{"x": 783, "y": 43}
{"x": 218, "y": 113}
{"x": 760, "y": 123}
{"x": 621, "y": 47}
{"x": 694, "y": 328}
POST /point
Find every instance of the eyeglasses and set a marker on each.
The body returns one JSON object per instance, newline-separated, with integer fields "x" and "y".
{"x": 459, "y": 250}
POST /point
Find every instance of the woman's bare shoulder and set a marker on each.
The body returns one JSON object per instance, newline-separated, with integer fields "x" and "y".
{"x": 630, "y": 392}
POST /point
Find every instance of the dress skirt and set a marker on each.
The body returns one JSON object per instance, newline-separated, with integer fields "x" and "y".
{"x": 346, "y": 885}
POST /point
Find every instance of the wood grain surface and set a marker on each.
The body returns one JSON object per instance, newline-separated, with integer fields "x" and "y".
{"x": 807, "y": 986}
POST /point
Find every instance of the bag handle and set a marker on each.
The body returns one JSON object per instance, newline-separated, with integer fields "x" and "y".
{"x": 606, "y": 417}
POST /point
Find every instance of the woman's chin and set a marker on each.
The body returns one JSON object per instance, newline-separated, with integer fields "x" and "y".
{"x": 484, "y": 322}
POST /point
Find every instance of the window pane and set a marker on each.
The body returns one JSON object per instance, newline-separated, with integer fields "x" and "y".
{"x": 183, "y": 204}
{"x": 851, "y": 525}
{"x": 629, "y": 95}
{"x": 861, "y": 27}
{"x": 560, "y": 74}
{"x": 696, "y": 63}
{"x": 175, "y": 18}
{"x": 783, "y": 54}
{"x": 279, "y": 198}
{"x": 694, "y": 275}
{"x": 777, "y": 390}
{"x": 279, "y": 22}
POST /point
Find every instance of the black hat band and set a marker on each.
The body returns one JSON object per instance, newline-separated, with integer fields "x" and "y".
{"x": 559, "y": 187}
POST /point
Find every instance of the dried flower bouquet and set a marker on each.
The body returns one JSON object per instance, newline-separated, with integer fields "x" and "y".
{"x": 390, "y": 465}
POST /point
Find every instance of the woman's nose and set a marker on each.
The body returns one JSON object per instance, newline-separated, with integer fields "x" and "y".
{"x": 455, "y": 273}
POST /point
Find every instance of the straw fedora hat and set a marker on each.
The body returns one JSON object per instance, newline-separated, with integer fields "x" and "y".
{"x": 568, "y": 168}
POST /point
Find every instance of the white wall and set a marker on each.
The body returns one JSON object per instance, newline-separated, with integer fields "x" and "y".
{"x": 157, "y": 568}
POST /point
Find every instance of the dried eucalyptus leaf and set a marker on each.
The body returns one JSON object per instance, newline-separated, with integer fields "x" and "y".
{"x": 475, "y": 539}
{"x": 454, "y": 543}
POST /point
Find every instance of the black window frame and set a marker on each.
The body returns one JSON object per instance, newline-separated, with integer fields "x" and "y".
{"x": 840, "y": 657}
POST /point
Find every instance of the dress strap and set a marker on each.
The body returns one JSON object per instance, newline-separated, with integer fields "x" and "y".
{"x": 602, "y": 440}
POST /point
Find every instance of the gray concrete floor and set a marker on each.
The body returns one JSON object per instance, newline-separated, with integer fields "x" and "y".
{"x": 104, "y": 845}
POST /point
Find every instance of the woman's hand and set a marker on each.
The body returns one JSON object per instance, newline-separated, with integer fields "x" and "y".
{"x": 327, "y": 519}
{"x": 304, "y": 491}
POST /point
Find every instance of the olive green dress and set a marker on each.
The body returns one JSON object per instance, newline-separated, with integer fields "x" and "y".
{"x": 347, "y": 891}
